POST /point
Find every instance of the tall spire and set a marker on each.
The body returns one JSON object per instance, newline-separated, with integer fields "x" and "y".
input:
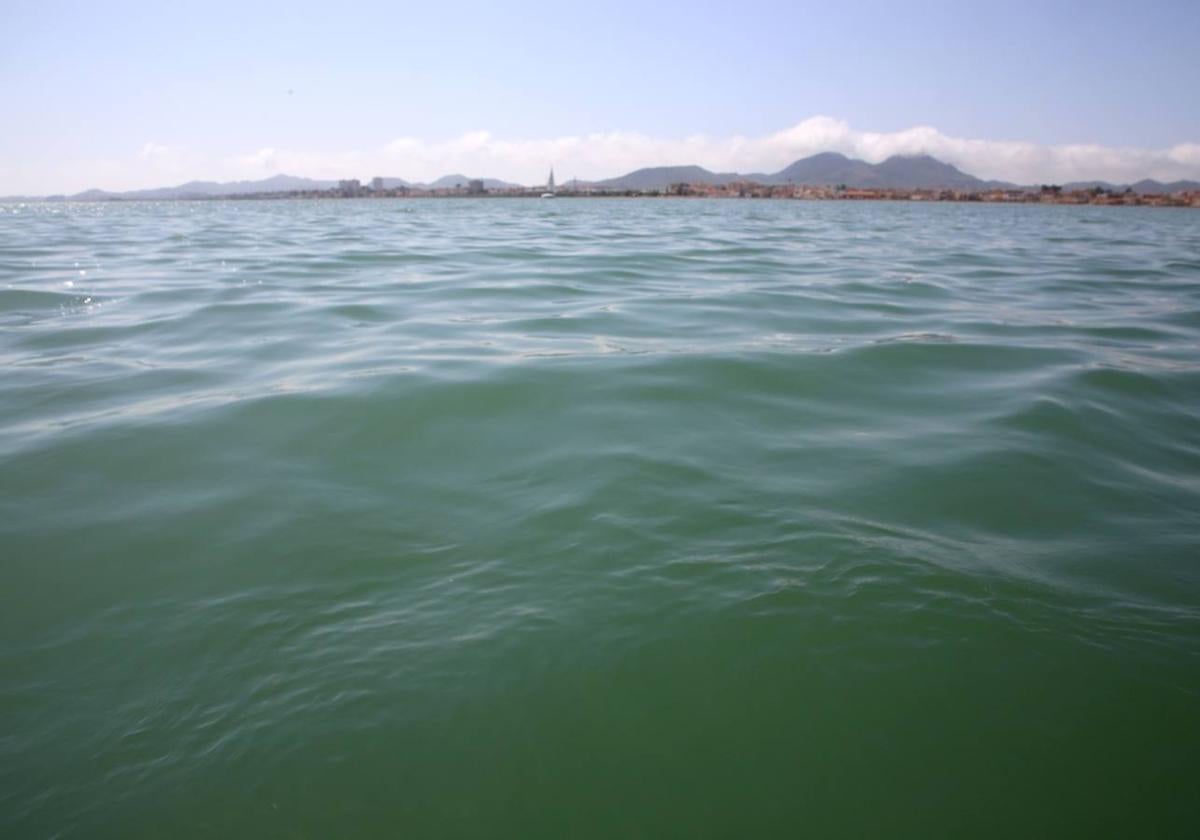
{"x": 550, "y": 183}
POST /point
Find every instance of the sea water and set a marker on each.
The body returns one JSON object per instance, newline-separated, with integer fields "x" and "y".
{"x": 599, "y": 519}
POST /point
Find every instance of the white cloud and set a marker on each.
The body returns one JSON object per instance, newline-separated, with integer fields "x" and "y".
{"x": 152, "y": 150}
{"x": 160, "y": 163}
{"x": 266, "y": 159}
{"x": 1186, "y": 154}
{"x": 603, "y": 155}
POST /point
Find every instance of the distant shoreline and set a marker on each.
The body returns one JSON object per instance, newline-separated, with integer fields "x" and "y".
{"x": 823, "y": 176}
{"x": 1093, "y": 197}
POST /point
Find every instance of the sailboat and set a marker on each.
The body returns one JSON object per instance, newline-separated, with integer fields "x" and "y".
{"x": 549, "y": 193}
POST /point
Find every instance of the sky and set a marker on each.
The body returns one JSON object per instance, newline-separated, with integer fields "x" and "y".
{"x": 123, "y": 95}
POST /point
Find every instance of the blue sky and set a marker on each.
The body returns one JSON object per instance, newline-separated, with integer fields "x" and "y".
{"x": 125, "y": 94}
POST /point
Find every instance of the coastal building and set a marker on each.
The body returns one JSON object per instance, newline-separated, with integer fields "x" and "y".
{"x": 377, "y": 183}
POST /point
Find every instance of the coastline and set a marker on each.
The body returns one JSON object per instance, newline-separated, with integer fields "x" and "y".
{"x": 692, "y": 191}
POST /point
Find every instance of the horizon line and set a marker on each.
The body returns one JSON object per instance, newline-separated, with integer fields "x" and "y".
{"x": 333, "y": 183}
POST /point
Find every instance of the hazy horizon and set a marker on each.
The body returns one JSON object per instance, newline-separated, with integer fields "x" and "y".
{"x": 137, "y": 96}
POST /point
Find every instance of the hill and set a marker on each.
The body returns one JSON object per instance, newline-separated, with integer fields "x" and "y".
{"x": 824, "y": 169}
{"x": 194, "y": 189}
{"x": 1142, "y": 187}
{"x": 449, "y": 182}
{"x": 827, "y": 168}
{"x": 661, "y": 177}
{"x": 274, "y": 184}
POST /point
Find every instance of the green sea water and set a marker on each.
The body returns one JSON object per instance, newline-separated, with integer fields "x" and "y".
{"x": 599, "y": 519}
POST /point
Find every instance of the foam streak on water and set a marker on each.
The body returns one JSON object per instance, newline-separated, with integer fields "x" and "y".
{"x": 607, "y": 518}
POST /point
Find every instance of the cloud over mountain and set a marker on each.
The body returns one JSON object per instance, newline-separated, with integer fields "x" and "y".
{"x": 604, "y": 155}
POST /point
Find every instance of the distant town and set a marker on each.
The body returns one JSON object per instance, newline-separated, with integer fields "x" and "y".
{"x": 827, "y": 176}
{"x": 1045, "y": 194}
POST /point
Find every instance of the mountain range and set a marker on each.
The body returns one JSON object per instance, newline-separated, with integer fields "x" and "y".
{"x": 1146, "y": 185}
{"x": 274, "y": 184}
{"x": 824, "y": 169}
{"x": 211, "y": 189}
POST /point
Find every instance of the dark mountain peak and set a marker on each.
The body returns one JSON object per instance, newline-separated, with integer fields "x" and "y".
{"x": 826, "y": 168}
{"x": 1149, "y": 185}
{"x": 661, "y": 177}
{"x": 826, "y": 157}
{"x": 924, "y": 171}
{"x": 916, "y": 156}
{"x": 917, "y": 161}
{"x": 683, "y": 171}
{"x": 450, "y": 181}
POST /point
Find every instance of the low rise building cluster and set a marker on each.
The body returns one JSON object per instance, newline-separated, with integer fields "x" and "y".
{"x": 1047, "y": 194}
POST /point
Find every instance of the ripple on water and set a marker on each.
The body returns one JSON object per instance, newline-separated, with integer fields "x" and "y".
{"x": 344, "y": 517}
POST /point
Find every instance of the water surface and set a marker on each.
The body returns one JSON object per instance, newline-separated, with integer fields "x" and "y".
{"x": 599, "y": 518}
